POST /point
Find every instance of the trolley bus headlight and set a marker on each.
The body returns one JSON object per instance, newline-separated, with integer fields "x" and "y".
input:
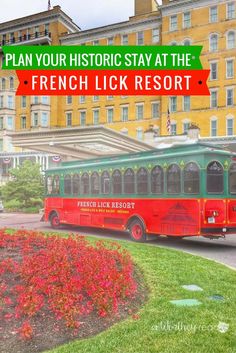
{"x": 215, "y": 213}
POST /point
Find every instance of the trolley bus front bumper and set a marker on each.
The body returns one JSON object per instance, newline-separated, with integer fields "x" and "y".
{"x": 218, "y": 230}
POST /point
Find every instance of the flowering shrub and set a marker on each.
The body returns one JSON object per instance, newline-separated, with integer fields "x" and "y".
{"x": 68, "y": 277}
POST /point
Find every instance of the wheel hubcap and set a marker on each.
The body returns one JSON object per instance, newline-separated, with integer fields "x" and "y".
{"x": 137, "y": 231}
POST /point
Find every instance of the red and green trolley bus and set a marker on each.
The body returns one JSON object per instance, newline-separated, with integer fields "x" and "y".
{"x": 185, "y": 190}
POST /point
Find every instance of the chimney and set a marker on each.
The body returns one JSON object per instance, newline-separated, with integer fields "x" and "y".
{"x": 143, "y": 7}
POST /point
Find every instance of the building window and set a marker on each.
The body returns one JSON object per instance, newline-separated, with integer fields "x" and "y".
{"x": 213, "y": 42}
{"x": 11, "y": 82}
{"x": 155, "y": 110}
{"x": 213, "y": 14}
{"x": 140, "y": 38}
{"x": 187, "y": 42}
{"x": 35, "y": 100}
{"x": 186, "y": 20}
{"x": 110, "y": 115}
{"x": 230, "y": 10}
{"x": 44, "y": 119}
{"x": 68, "y": 99}
{"x": 173, "y": 129}
{"x": 95, "y": 98}
{"x": 173, "y": 104}
{"x": 23, "y": 122}
{"x": 82, "y": 99}
{"x": 213, "y": 128}
{"x": 186, "y": 127}
{"x": 214, "y": 71}
{"x": 231, "y": 40}
{"x": 230, "y": 126}
{"x": 139, "y": 111}
{"x": 10, "y": 102}
{"x": 96, "y": 116}
{"x": 229, "y": 97}
{"x": 173, "y": 23}
{"x": 46, "y": 28}
{"x": 124, "y": 113}
{"x": 124, "y": 39}
{"x": 214, "y": 100}
{"x": 1, "y": 101}
{"x": 35, "y": 121}
{"x": 69, "y": 119}
{"x": 23, "y": 101}
{"x": 36, "y": 31}
{"x": 110, "y": 97}
{"x": 186, "y": 103}
{"x": 230, "y": 68}
{"x": 155, "y": 35}
{"x": 1, "y": 123}
{"x": 110, "y": 41}
{"x": 96, "y": 42}
{"x": 9, "y": 123}
{"x": 3, "y": 84}
{"x": 82, "y": 118}
{"x": 45, "y": 100}
{"x": 139, "y": 133}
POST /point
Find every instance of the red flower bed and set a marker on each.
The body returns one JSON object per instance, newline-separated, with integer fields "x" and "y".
{"x": 69, "y": 278}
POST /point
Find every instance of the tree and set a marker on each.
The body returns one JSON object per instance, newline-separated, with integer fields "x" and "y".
{"x": 26, "y": 187}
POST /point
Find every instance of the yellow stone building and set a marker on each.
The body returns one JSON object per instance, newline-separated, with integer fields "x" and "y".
{"x": 211, "y": 23}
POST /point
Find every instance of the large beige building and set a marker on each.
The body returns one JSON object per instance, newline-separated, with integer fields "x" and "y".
{"x": 211, "y": 23}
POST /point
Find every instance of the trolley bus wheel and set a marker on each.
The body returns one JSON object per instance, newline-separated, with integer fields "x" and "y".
{"x": 55, "y": 220}
{"x": 136, "y": 231}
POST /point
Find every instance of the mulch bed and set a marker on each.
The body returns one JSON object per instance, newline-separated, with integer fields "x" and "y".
{"x": 50, "y": 333}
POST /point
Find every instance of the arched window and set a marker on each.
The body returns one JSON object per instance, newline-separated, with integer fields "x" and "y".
{"x": 187, "y": 42}
{"x": 213, "y": 42}
{"x": 75, "y": 184}
{"x": 49, "y": 184}
{"x": 95, "y": 183}
{"x": 56, "y": 184}
{"x": 11, "y": 82}
{"x": 67, "y": 185}
{"x": 85, "y": 184}
{"x": 142, "y": 181}
{"x": 105, "y": 183}
{"x": 191, "y": 178}
{"x": 157, "y": 180}
{"x": 231, "y": 42}
{"x": 3, "y": 83}
{"x": 173, "y": 179}
{"x": 117, "y": 182}
{"x": 129, "y": 181}
{"x": 215, "y": 178}
{"x": 232, "y": 179}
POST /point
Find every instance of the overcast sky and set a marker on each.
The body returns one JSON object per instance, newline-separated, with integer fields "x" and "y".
{"x": 86, "y": 13}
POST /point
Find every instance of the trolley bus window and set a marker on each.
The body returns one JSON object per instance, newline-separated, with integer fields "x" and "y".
{"x": 67, "y": 185}
{"x": 117, "y": 182}
{"x": 191, "y": 178}
{"x": 157, "y": 180}
{"x": 142, "y": 181}
{"x": 56, "y": 184}
{"x": 215, "y": 178}
{"x": 129, "y": 181}
{"x": 49, "y": 185}
{"x": 95, "y": 183}
{"x": 85, "y": 184}
{"x": 232, "y": 179}
{"x": 75, "y": 184}
{"x": 173, "y": 179}
{"x": 105, "y": 182}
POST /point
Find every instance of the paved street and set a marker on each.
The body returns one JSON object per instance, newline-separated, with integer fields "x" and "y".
{"x": 222, "y": 250}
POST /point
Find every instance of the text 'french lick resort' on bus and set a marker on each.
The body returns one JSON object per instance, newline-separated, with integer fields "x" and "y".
{"x": 180, "y": 191}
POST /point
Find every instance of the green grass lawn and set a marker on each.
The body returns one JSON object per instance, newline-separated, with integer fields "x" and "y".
{"x": 165, "y": 271}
